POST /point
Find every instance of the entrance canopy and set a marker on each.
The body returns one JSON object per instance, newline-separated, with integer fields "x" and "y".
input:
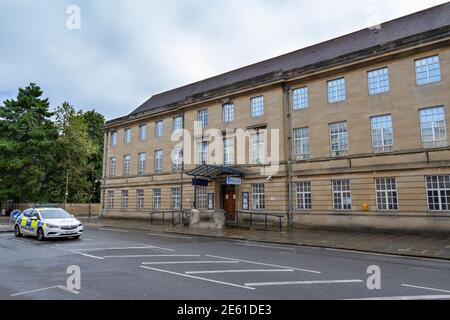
{"x": 213, "y": 172}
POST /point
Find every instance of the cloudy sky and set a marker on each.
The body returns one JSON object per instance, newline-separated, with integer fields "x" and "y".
{"x": 128, "y": 50}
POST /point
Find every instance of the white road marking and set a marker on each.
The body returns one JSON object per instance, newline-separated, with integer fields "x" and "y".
{"x": 88, "y": 255}
{"x": 286, "y": 283}
{"x": 45, "y": 289}
{"x": 265, "y": 264}
{"x": 425, "y": 288}
{"x": 237, "y": 271}
{"x": 405, "y": 298}
{"x": 199, "y": 278}
{"x": 169, "y": 236}
{"x": 155, "y": 255}
{"x": 260, "y": 245}
{"x": 188, "y": 262}
{"x": 114, "y": 230}
{"x": 124, "y": 248}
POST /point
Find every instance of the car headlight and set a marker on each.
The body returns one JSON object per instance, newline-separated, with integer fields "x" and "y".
{"x": 80, "y": 225}
{"x": 52, "y": 226}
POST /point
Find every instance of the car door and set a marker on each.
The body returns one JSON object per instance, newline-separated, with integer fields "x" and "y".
{"x": 34, "y": 222}
{"x": 25, "y": 223}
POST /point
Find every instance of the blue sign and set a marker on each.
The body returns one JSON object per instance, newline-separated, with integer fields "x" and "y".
{"x": 15, "y": 214}
{"x": 232, "y": 181}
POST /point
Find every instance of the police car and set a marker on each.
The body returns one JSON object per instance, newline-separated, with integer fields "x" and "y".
{"x": 47, "y": 223}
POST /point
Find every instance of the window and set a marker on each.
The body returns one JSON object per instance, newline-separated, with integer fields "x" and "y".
{"x": 110, "y": 200}
{"x": 378, "y": 81}
{"x": 228, "y": 152}
{"x": 342, "y": 199}
{"x": 140, "y": 199}
{"x": 177, "y": 123}
{"x": 202, "y": 149}
{"x": 258, "y": 197}
{"x": 228, "y": 112}
{"x": 159, "y": 129}
{"x": 141, "y": 163}
{"x": 126, "y": 165}
{"x": 202, "y": 197}
{"x": 300, "y": 98}
{"x": 428, "y": 70}
{"x": 382, "y": 133}
{"x": 156, "y": 198}
{"x": 339, "y": 139}
{"x": 114, "y": 138}
{"x": 142, "y": 132}
{"x": 257, "y": 106}
{"x": 386, "y": 189}
{"x": 127, "y": 135}
{"x": 112, "y": 166}
{"x": 177, "y": 159}
{"x": 176, "y": 198}
{"x": 336, "y": 90}
{"x": 304, "y": 199}
{"x": 158, "y": 161}
{"x": 301, "y": 143}
{"x": 124, "y": 199}
{"x": 203, "y": 118}
{"x": 433, "y": 127}
{"x": 438, "y": 191}
{"x": 258, "y": 148}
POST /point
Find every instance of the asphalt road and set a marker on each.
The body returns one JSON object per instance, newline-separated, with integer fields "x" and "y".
{"x": 136, "y": 265}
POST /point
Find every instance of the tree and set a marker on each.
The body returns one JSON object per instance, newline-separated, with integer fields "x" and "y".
{"x": 27, "y": 144}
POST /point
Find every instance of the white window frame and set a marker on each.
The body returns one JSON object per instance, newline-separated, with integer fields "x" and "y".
{"x": 202, "y": 152}
{"x": 228, "y": 151}
{"x": 127, "y": 135}
{"x": 382, "y": 126}
{"x": 124, "y": 199}
{"x": 440, "y": 184}
{"x": 424, "y": 68}
{"x": 300, "y": 98}
{"x": 378, "y": 81}
{"x": 110, "y": 203}
{"x": 337, "y": 140}
{"x": 435, "y": 142}
{"x": 114, "y": 138}
{"x": 140, "y": 199}
{"x": 159, "y": 161}
{"x": 126, "y": 165}
{"x": 336, "y": 90}
{"x": 157, "y": 198}
{"x": 202, "y": 117}
{"x": 257, "y": 106}
{"x": 142, "y": 161}
{"x": 177, "y": 123}
{"x": 303, "y": 195}
{"x": 342, "y": 191}
{"x": 386, "y": 196}
{"x": 302, "y": 143}
{"x": 112, "y": 167}
{"x": 159, "y": 128}
{"x": 228, "y": 112}
{"x": 258, "y": 148}
{"x": 175, "y": 201}
{"x": 143, "y": 132}
{"x": 177, "y": 159}
{"x": 202, "y": 197}
{"x": 258, "y": 196}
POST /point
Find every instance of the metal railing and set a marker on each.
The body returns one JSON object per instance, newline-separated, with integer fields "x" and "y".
{"x": 279, "y": 216}
{"x": 180, "y": 215}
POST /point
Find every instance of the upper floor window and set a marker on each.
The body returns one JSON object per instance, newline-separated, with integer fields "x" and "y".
{"x": 159, "y": 129}
{"x": 382, "y": 133}
{"x": 142, "y": 132}
{"x": 257, "y": 106}
{"x": 228, "y": 112}
{"x": 177, "y": 159}
{"x": 177, "y": 124}
{"x": 114, "y": 138}
{"x": 203, "y": 118}
{"x": 428, "y": 70}
{"x": 112, "y": 166}
{"x": 202, "y": 149}
{"x": 339, "y": 139}
{"x": 126, "y": 165}
{"x": 158, "y": 161}
{"x": 128, "y": 135}
{"x": 228, "y": 152}
{"x": 141, "y": 163}
{"x": 300, "y": 98}
{"x": 378, "y": 81}
{"x": 433, "y": 127}
{"x": 336, "y": 90}
{"x": 438, "y": 192}
{"x": 301, "y": 143}
{"x": 258, "y": 148}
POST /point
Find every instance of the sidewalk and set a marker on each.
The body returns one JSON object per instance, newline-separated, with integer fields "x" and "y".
{"x": 4, "y": 225}
{"x": 423, "y": 246}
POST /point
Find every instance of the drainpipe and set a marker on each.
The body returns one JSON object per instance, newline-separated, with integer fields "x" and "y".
{"x": 286, "y": 92}
{"x": 105, "y": 162}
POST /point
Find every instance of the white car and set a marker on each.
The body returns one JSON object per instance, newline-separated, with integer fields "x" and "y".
{"x": 47, "y": 223}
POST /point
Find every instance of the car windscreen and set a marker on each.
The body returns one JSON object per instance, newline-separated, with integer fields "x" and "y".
{"x": 54, "y": 214}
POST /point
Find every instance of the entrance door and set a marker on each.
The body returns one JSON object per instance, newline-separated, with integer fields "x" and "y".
{"x": 229, "y": 201}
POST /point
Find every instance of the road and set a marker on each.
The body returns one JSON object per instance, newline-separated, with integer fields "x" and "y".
{"x": 138, "y": 265}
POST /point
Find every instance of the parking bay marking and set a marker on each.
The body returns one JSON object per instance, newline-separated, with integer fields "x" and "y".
{"x": 154, "y": 255}
{"x": 124, "y": 248}
{"x": 237, "y": 271}
{"x": 286, "y": 283}
{"x": 169, "y": 236}
{"x": 406, "y": 298}
{"x": 425, "y": 288}
{"x": 264, "y": 264}
{"x": 187, "y": 262}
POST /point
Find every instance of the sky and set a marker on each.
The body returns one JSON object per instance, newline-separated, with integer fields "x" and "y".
{"x": 121, "y": 52}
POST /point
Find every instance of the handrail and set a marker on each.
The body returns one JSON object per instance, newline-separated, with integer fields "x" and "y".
{"x": 181, "y": 214}
{"x": 261, "y": 213}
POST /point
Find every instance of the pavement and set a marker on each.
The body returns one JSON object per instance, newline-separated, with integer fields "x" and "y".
{"x": 121, "y": 263}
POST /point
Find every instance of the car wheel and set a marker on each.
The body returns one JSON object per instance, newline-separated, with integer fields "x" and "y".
{"x": 40, "y": 234}
{"x": 17, "y": 232}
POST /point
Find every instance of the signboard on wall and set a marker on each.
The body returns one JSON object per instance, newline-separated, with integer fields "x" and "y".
{"x": 245, "y": 201}
{"x": 232, "y": 181}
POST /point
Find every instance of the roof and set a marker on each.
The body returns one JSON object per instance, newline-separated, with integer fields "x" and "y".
{"x": 417, "y": 23}
{"x": 211, "y": 172}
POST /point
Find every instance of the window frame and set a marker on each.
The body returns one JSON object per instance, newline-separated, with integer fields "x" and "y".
{"x": 335, "y": 89}
{"x": 126, "y": 168}
{"x": 305, "y": 143}
{"x": 110, "y": 200}
{"x": 377, "y": 76}
{"x": 202, "y": 117}
{"x": 124, "y": 200}
{"x": 439, "y": 190}
{"x": 258, "y": 196}
{"x": 300, "y": 98}
{"x": 385, "y": 193}
{"x": 175, "y": 198}
{"x": 436, "y": 143}
{"x": 113, "y": 167}
{"x": 142, "y": 164}
{"x": 339, "y": 152}
{"x": 384, "y": 148}
{"x": 140, "y": 199}
{"x": 416, "y": 61}
{"x": 257, "y": 104}
{"x": 228, "y": 152}
{"x": 156, "y": 198}
{"x": 143, "y": 132}
{"x": 229, "y": 114}
{"x": 303, "y": 193}
{"x": 127, "y": 135}
{"x": 159, "y": 129}
{"x": 159, "y": 156}
{"x": 341, "y": 194}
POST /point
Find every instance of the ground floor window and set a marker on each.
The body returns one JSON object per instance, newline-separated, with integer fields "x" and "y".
{"x": 202, "y": 198}
{"x": 438, "y": 192}
{"x": 140, "y": 199}
{"x": 342, "y": 199}
{"x": 304, "y": 199}
{"x": 386, "y": 189}
{"x": 110, "y": 199}
{"x": 258, "y": 197}
{"x": 124, "y": 199}
{"x": 176, "y": 198}
{"x": 156, "y": 198}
